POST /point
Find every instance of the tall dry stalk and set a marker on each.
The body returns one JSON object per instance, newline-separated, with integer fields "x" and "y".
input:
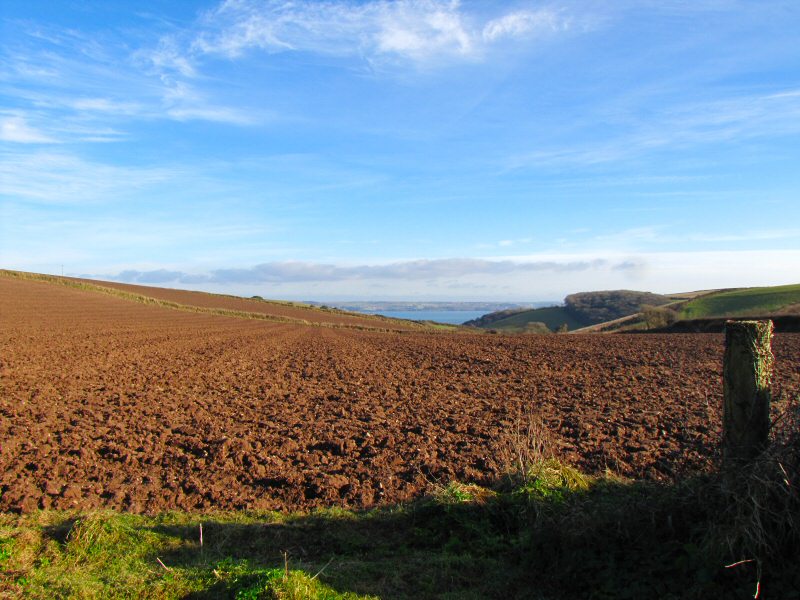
{"x": 527, "y": 446}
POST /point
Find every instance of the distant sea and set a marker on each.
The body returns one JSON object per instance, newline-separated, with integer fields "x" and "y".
{"x": 452, "y": 317}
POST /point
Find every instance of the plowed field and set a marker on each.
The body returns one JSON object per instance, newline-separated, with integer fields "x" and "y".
{"x": 285, "y": 310}
{"x": 110, "y": 403}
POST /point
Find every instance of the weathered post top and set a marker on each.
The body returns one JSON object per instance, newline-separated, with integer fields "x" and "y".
{"x": 747, "y": 375}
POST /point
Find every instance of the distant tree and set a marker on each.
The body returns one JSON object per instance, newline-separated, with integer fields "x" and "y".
{"x": 563, "y": 328}
{"x": 597, "y": 307}
{"x": 656, "y": 317}
{"x": 537, "y": 327}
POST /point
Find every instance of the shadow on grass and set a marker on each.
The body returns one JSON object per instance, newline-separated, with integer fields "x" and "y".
{"x": 616, "y": 540}
{"x": 545, "y": 538}
{"x": 421, "y": 550}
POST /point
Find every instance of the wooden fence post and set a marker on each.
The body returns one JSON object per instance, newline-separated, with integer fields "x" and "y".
{"x": 747, "y": 374}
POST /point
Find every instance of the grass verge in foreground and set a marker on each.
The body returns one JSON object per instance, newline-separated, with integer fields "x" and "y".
{"x": 553, "y": 534}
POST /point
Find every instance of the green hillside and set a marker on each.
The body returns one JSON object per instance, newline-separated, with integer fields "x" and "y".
{"x": 744, "y": 302}
{"x": 579, "y": 310}
{"x": 552, "y": 316}
{"x": 593, "y": 308}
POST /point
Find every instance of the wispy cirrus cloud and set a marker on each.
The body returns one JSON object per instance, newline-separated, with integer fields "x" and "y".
{"x": 40, "y": 126}
{"x": 507, "y": 243}
{"x": 418, "y": 31}
{"x": 218, "y": 114}
{"x": 76, "y": 79}
{"x": 522, "y": 23}
{"x": 15, "y": 128}
{"x": 63, "y": 178}
{"x": 75, "y": 83}
{"x": 105, "y": 105}
{"x": 677, "y": 126}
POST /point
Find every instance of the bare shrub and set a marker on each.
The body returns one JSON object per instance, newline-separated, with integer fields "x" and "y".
{"x": 537, "y": 327}
{"x": 656, "y": 317}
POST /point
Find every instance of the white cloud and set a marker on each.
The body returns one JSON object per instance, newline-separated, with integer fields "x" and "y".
{"x": 524, "y": 278}
{"x": 420, "y": 31}
{"x": 60, "y": 128}
{"x": 505, "y": 243}
{"x": 16, "y": 129}
{"x": 97, "y": 90}
{"x": 106, "y": 105}
{"x": 521, "y": 23}
{"x": 78, "y": 80}
{"x": 210, "y": 113}
{"x": 667, "y": 272}
{"x": 414, "y": 270}
{"x": 58, "y": 177}
{"x": 169, "y": 57}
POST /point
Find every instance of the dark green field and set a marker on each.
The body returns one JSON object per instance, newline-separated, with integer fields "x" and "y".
{"x": 552, "y": 316}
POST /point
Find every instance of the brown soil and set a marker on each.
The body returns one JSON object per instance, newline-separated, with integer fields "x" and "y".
{"x": 266, "y": 307}
{"x": 109, "y": 403}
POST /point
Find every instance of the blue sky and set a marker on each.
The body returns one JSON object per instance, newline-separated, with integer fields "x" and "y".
{"x": 410, "y": 149}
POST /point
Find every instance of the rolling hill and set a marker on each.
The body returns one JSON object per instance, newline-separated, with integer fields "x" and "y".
{"x": 624, "y": 310}
{"x": 580, "y": 310}
{"x": 551, "y": 317}
{"x": 708, "y": 310}
{"x": 783, "y": 299}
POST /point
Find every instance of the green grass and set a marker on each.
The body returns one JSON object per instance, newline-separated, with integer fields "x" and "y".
{"x": 552, "y": 534}
{"x": 744, "y": 302}
{"x": 551, "y": 316}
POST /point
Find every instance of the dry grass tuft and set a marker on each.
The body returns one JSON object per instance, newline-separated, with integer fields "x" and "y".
{"x": 528, "y": 446}
{"x": 762, "y": 499}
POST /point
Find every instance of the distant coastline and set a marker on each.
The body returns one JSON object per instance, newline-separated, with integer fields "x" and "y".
{"x": 452, "y": 313}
